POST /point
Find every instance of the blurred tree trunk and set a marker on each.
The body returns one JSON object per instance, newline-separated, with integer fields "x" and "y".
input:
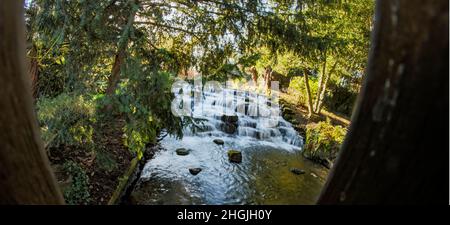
{"x": 25, "y": 173}
{"x": 308, "y": 93}
{"x": 396, "y": 150}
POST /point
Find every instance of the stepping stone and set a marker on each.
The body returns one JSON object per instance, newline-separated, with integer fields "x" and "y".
{"x": 195, "y": 171}
{"x": 234, "y": 156}
{"x": 182, "y": 151}
{"x": 219, "y": 141}
{"x": 297, "y": 171}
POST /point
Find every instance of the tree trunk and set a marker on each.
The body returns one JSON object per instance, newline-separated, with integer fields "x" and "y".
{"x": 324, "y": 89}
{"x": 25, "y": 173}
{"x": 114, "y": 79}
{"x": 321, "y": 80}
{"x": 308, "y": 93}
{"x": 396, "y": 150}
{"x": 254, "y": 73}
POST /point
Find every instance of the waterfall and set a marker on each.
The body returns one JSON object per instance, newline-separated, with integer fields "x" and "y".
{"x": 235, "y": 113}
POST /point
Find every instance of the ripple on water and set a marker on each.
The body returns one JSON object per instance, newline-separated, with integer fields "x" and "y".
{"x": 263, "y": 177}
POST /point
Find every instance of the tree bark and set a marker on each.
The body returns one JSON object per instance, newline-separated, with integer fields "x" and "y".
{"x": 396, "y": 150}
{"x": 25, "y": 173}
{"x": 321, "y": 80}
{"x": 308, "y": 93}
{"x": 254, "y": 73}
{"x": 324, "y": 89}
{"x": 113, "y": 80}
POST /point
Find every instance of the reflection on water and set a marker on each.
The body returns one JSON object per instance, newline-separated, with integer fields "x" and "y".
{"x": 263, "y": 177}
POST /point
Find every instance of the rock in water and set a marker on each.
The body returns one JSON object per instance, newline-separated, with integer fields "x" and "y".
{"x": 230, "y": 123}
{"x": 219, "y": 141}
{"x": 230, "y": 119}
{"x": 234, "y": 156}
{"x": 182, "y": 151}
{"x": 297, "y": 171}
{"x": 195, "y": 171}
{"x": 228, "y": 128}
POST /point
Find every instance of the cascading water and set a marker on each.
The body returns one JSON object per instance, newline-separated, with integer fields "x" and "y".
{"x": 256, "y": 119}
{"x": 245, "y": 122}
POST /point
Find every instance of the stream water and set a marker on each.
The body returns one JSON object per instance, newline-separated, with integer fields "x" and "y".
{"x": 269, "y": 145}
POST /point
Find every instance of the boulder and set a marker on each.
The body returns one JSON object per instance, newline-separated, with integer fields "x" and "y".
{"x": 283, "y": 131}
{"x": 195, "y": 171}
{"x": 297, "y": 171}
{"x": 287, "y": 110}
{"x": 234, "y": 156}
{"x": 229, "y": 128}
{"x": 230, "y": 123}
{"x": 233, "y": 119}
{"x": 219, "y": 141}
{"x": 182, "y": 151}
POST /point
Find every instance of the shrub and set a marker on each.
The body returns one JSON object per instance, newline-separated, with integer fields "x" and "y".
{"x": 145, "y": 101}
{"x": 323, "y": 141}
{"x": 78, "y": 192}
{"x": 66, "y": 119}
{"x": 105, "y": 161}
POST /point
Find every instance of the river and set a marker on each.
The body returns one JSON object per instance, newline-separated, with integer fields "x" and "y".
{"x": 270, "y": 149}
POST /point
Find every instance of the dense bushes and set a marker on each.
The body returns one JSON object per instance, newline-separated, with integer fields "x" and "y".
{"x": 66, "y": 119}
{"x": 78, "y": 192}
{"x": 323, "y": 141}
{"x": 144, "y": 99}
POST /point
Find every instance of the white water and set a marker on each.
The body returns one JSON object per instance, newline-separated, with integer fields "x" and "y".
{"x": 259, "y": 121}
{"x": 269, "y": 146}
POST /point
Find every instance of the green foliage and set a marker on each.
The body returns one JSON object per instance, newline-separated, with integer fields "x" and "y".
{"x": 105, "y": 161}
{"x": 341, "y": 99}
{"x": 297, "y": 88}
{"x": 331, "y": 33}
{"x": 76, "y": 43}
{"x": 78, "y": 192}
{"x": 323, "y": 141}
{"x": 145, "y": 99}
{"x": 66, "y": 119}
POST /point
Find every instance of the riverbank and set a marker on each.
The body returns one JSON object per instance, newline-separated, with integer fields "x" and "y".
{"x": 108, "y": 174}
{"x": 89, "y": 176}
{"x": 322, "y": 126}
{"x": 296, "y": 114}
